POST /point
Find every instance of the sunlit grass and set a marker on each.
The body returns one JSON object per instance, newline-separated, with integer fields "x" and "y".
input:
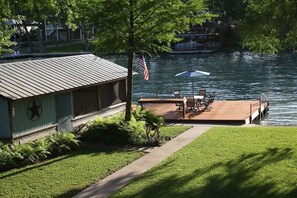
{"x": 64, "y": 176}
{"x": 67, "y": 175}
{"x": 173, "y": 130}
{"x": 226, "y": 162}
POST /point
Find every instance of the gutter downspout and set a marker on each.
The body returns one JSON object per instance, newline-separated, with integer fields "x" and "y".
{"x": 11, "y": 115}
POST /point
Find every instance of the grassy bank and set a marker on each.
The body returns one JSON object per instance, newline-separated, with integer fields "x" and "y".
{"x": 226, "y": 162}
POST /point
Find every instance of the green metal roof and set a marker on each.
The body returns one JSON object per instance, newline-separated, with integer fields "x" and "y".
{"x": 38, "y": 77}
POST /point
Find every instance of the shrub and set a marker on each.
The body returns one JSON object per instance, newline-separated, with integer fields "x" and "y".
{"x": 17, "y": 155}
{"x": 135, "y": 130}
{"x": 114, "y": 130}
{"x": 148, "y": 116}
{"x": 7, "y": 157}
{"x": 59, "y": 143}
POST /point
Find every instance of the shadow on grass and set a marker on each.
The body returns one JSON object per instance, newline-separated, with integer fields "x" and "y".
{"x": 83, "y": 151}
{"x": 33, "y": 166}
{"x": 234, "y": 178}
{"x": 71, "y": 193}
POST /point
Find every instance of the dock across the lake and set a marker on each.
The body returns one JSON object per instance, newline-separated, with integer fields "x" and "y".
{"x": 221, "y": 111}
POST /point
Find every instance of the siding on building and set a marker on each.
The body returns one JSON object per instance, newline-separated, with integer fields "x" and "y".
{"x": 4, "y": 119}
{"x": 22, "y": 125}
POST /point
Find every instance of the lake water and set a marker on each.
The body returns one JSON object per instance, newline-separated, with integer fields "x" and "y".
{"x": 233, "y": 76}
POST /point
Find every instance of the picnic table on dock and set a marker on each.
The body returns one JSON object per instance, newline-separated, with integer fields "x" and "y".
{"x": 165, "y": 100}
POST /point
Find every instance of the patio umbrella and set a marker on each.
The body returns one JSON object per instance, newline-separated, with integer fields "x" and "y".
{"x": 192, "y": 74}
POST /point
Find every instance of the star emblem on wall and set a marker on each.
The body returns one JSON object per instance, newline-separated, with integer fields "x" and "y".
{"x": 34, "y": 109}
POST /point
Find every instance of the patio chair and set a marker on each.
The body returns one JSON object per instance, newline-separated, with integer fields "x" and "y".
{"x": 208, "y": 101}
{"x": 201, "y": 92}
{"x": 179, "y": 106}
{"x": 212, "y": 97}
{"x": 191, "y": 103}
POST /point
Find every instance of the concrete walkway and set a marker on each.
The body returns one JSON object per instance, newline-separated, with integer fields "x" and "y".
{"x": 125, "y": 175}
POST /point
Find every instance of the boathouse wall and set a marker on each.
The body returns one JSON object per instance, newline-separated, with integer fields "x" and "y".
{"x": 24, "y": 122}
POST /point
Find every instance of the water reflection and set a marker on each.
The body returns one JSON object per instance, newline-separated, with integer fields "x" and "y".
{"x": 235, "y": 75}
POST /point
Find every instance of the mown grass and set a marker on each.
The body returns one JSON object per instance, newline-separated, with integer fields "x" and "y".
{"x": 67, "y": 175}
{"x": 173, "y": 130}
{"x": 64, "y": 176}
{"x": 226, "y": 162}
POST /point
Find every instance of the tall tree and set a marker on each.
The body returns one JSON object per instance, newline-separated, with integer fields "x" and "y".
{"x": 230, "y": 12}
{"x": 143, "y": 26}
{"x": 64, "y": 15}
{"x": 5, "y": 29}
{"x": 83, "y": 14}
{"x": 38, "y": 11}
{"x": 270, "y": 26}
{"x": 233, "y": 9}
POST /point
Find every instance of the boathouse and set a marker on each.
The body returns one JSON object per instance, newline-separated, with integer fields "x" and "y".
{"x": 40, "y": 96}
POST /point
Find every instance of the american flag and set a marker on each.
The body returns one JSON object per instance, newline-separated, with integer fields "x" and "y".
{"x": 141, "y": 63}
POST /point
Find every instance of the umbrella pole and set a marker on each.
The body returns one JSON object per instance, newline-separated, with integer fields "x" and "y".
{"x": 193, "y": 86}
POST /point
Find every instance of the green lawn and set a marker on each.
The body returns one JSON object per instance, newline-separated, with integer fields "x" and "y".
{"x": 173, "y": 130}
{"x": 67, "y": 175}
{"x": 226, "y": 162}
{"x": 64, "y": 176}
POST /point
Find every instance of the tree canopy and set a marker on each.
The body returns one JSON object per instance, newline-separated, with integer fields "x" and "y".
{"x": 269, "y": 26}
{"x": 5, "y": 29}
{"x": 152, "y": 24}
{"x": 141, "y": 26}
{"x": 234, "y": 9}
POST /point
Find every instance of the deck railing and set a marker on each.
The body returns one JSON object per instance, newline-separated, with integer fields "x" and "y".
{"x": 263, "y": 101}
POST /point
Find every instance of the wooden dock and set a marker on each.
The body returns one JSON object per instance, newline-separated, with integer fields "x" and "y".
{"x": 222, "y": 112}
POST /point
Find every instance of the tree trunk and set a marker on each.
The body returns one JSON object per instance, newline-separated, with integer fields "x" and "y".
{"x": 130, "y": 63}
{"x": 57, "y": 39}
{"x": 67, "y": 33}
{"x": 19, "y": 40}
{"x": 28, "y": 37}
{"x": 129, "y": 86}
{"x": 82, "y": 27}
{"x": 40, "y": 38}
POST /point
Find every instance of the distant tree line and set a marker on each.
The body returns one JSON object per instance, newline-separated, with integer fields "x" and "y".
{"x": 261, "y": 25}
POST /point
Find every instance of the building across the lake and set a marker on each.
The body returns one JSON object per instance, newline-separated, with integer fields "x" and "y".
{"x": 40, "y": 96}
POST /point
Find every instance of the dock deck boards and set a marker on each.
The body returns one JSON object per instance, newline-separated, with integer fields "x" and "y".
{"x": 237, "y": 112}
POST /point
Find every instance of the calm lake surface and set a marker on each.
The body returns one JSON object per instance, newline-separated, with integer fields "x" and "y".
{"x": 233, "y": 76}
